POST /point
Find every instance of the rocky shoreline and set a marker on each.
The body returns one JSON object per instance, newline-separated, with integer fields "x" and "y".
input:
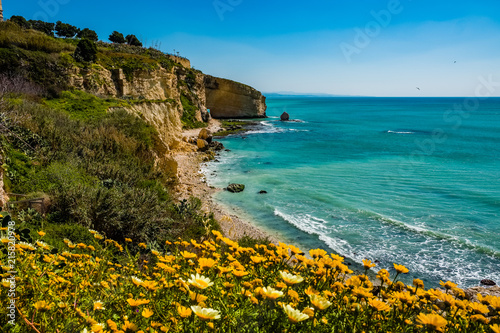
{"x": 191, "y": 183}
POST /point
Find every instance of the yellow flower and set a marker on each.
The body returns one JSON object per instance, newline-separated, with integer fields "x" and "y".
{"x": 495, "y": 302}
{"x": 42, "y": 306}
{"x": 239, "y": 273}
{"x": 41, "y": 233}
{"x": 478, "y": 308}
{"x": 143, "y": 245}
{"x": 379, "y": 305}
{"x": 188, "y": 255}
{"x": 112, "y": 325}
{"x": 146, "y": 313}
{"x": 137, "y": 302}
{"x": 129, "y": 326}
{"x": 320, "y": 303}
{"x": 99, "y": 306}
{"x": 432, "y": 321}
{"x": 418, "y": 283}
{"x": 205, "y": 313}
{"x": 183, "y": 311}
{"x": 401, "y": 269}
{"x": 495, "y": 328}
{"x": 271, "y": 293}
{"x": 294, "y": 316}
{"x": 291, "y": 279}
{"x": 206, "y": 263}
{"x": 309, "y": 312}
{"x": 128, "y": 240}
{"x": 317, "y": 253}
{"x": 98, "y": 236}
{"x": 136, "y": 281}
{"x": 294, "y": 295}
{"x": 257, "y": 259}
{"x": 368, "y": 264}
{"x": 447, "y": 285}
{"x": 479, "y": 317}
{"x": 150, "y": 285}
{"x": 97, "y": 327}
{"x": 199, "y": 281}
{"x": 199, "y": 298}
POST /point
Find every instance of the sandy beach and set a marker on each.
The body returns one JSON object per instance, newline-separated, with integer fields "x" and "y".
{"x": 192, "y": 183}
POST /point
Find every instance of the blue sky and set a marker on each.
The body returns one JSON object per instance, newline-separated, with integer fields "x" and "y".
{"x": 343, "y": 47}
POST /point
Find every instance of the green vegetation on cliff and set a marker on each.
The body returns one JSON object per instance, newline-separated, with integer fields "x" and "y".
{"x": 95, "y": 163}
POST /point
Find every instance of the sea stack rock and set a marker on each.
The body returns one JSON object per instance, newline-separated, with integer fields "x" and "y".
{"x": 235, "y": 188}
{"x": 285, "y": 117}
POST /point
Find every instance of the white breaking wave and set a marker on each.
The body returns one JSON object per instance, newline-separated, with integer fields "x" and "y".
{"x": 400, "y": 132}
{"x": 305, "y": 222}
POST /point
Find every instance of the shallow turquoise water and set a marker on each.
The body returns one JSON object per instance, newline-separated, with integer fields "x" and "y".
{"x": 398, "y": 180}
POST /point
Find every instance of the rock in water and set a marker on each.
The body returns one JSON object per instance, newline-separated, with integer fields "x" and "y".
{"x": 285, "y": 116}
{"x": 262, "y": 192}
{"x": 235, "y": 188}
{"x": 487, "y": 282}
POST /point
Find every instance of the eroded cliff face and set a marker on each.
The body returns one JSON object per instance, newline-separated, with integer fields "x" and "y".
{"x": 166, "y": 91}
{"x": 230, "y": 99}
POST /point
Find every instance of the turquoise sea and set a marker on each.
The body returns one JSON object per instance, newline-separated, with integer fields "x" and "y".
{"x": 413, "y": 181}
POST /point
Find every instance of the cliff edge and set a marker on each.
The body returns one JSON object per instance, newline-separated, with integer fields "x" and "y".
{"x": 229, "y": 99}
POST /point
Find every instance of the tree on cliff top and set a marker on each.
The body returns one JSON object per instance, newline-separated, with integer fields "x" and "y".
{"x": 66, "y": 30}
{"x": 117, "y": 37}
{"x": 20, "y": 21}
{"x": 133, "y": 40}
{"x": 45, "y": 27}
{"x": 88, "y": 34}
{"x": 86, "y": 51}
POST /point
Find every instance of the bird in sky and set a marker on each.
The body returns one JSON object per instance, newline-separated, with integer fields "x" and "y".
{"x": 418, "y": 88}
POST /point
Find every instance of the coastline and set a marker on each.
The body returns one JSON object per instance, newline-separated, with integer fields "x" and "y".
{"x": 191, "y": 183}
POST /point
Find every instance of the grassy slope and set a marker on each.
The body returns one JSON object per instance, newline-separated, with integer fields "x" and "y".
{"x": 97, "y": 167}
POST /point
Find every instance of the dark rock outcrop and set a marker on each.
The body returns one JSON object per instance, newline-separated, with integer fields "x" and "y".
{"x": 262, "y": 192}
{"x": 235, "y": 188}
{"x": 230, "y": 99}
{"x": 487, "y": 282}
{"x": 285, "y": 116}
{"x": 216, "y": 145}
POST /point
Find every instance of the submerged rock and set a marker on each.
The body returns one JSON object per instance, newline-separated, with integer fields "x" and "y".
{"x": 262, "y": 192}
{"x": 487, "y": 282}
{"x": 285, "y": 116}
{"x": 235, "y": 188}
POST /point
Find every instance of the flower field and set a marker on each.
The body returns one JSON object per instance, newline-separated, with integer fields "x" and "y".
{"x": 217, "y": 286}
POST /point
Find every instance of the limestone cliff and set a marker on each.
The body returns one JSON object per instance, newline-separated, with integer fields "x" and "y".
{"x": 230, "y": 99}
{"x": 166, "y": 93}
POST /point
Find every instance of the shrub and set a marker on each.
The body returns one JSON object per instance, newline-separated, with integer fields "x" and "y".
{"x": 86, "y": 51}
{"x": 188, "y": 117}
{"x": 117, "y": 37}
{"x": 45, "y": 27}
{"x": 20, "y": 21}
{"x": 88, "y": 34}
{"x": 133, "y": 40}
{"x": 66, "y": 30}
